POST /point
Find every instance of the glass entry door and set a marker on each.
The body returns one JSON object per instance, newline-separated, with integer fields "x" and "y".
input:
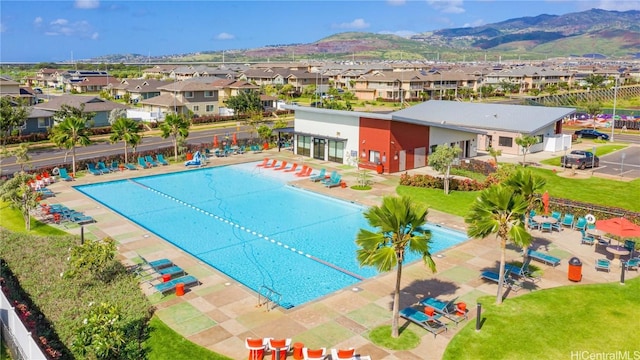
{"x": 318, "y": 148}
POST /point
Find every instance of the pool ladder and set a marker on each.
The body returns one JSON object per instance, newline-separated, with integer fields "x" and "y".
{"x": 269, "y": 297}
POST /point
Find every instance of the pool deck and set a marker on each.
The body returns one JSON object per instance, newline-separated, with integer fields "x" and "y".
{"x": 220, "y": 313}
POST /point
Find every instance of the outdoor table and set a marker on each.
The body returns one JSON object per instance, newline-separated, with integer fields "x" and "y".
{"x": 596, "y": 232}
{"x": 541, "y": 219}
{"x": 617, "y": 251}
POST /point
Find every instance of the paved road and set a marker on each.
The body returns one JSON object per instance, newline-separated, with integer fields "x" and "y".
{"x": 624, "y": 163}
{"x": 56, "y": 157}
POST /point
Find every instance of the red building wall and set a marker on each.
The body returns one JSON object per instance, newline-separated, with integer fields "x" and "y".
{"x": 389, "y": 138}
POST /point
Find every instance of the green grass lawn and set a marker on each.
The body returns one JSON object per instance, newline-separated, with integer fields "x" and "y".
{"x": 554, "y": 323}
{"x": 456, "y": 203}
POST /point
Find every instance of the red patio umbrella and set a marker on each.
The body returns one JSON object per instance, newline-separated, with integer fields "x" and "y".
{"x": 545, "y": 202}
{"x": 234, "y": 140}
{"x": 215, "y": 141}
{"x": 619, "y": 226}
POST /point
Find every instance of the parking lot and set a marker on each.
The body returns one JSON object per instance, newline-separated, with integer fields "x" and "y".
{"x": 624, "y": 163}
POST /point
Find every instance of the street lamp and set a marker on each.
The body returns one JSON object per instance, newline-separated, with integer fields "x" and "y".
{"x": 613, "y": 116}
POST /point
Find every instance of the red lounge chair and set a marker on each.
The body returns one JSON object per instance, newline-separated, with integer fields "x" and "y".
{"x": 302, "y": 171}
{"x": 256, "y": 348}
{"x": 279, "y": 344}
{"x": 292, "y": 168}
{"x": 282, "y": 166}
{"x": 306, "y": 173}
{"x": 264, "y": 162}
{"x": 273, "y": 164}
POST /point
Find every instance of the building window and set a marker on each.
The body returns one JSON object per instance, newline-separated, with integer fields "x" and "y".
{"x": 42, "y": 123}
{"x": 188, "y": 94}
{"x": 540, "y": 139}
{"x": 336, "y": 151}
{"x": 208, "y": 94}
{"x": 211, "y": 108}
{"x": 303, "y": 145}
{"x": 505, "y": 141}
{"x": 374, "y": 156}
{"x": 196, "y": 108}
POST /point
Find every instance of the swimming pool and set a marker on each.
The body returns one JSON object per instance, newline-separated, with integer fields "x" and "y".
{"x": 249, "y": 224}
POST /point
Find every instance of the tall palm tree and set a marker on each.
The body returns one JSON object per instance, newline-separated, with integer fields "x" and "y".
{"x": 69, "y": 133}
{"x": 400, "y": 229}
{"x": 501, "y": 211}
{"x": 124, "y": 129}
{"x": 177, "y": 126}
{"x": 528, "y": 185}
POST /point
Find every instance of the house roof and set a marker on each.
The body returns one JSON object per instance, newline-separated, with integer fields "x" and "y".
{"x": 92, "y": 103}
{"x": 513, "y": 118}
{"x": 165, "y": 100}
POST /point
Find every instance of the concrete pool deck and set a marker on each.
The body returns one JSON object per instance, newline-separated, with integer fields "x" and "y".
{"x": 220, "y": 313}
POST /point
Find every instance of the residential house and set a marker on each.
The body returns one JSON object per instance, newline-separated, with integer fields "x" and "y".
{"x": 137, "y": 89}
{"x": 92, "y": 104}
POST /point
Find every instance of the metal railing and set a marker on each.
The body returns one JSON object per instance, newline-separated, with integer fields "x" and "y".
{"x": 269, "y": 297}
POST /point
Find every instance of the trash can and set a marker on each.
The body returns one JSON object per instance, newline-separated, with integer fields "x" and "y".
{"x": 297, "y": 351}
{"x": 179, "y": 289}
{"x": 575, "y": 269}
{"x": 166, "y": 277}
{"x": 380, "y": 168}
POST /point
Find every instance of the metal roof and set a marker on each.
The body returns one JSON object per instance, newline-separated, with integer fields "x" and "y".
{"x": 513, "y": 118}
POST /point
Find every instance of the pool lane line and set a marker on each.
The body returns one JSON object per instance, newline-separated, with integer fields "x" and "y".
{"x": 254, "y": 233}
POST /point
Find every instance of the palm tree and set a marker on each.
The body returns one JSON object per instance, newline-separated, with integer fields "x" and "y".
{"x": 529, "y": 186}
{"x": 126, "y": 130}
{"x": 501, "y": 211}
{"x": 400, "y": 229}
{"x": 177, "y": 126}
{"x": 69, "y": 133}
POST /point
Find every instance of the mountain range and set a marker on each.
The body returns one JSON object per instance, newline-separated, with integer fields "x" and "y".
{"x": 592, "y": 33}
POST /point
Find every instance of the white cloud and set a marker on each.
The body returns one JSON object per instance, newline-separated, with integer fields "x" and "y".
{"x": 59, "y": 22}
{"x": 86, "y": 4}
{"x": 475, "y": 23}
{"x": 225, "y": 36}
{"x": 95, "y": 36}
{"x": 355, "y": 24}
{"x": 63, "y": 27}
{"x": 396, "y": 2}
{"x": 447, "y": 6}
{"x": 402, "y": 33}
{"x": 37, "y": 21}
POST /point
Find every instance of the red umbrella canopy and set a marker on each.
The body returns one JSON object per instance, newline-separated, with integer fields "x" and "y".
{"x": 619, "y": 226}
{"x": 234, "y": 140}
{"x": 215, "y": 140}
{"x": 545, "y": 202}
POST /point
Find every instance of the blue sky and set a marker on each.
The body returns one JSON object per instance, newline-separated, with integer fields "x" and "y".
{"x": 34, "y": 31}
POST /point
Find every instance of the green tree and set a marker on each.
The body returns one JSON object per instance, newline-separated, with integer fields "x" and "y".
{"x": 593, "y": 109}
{"x": 594, "y": 81}
{"x": 102, "y": 334}
{"x": 501, "y": 211}
{"x": 523, "y": 182}
{"x": 13, "y": 113}
{"x": 246, "y": 102}
{"x": 441, "y": 161}
{"x": 94, "y": 257}
{"x": 126, "y": 130}
{"x": 526, "y": 142}
{"x": 21, "y": 152}
{"x": 264, "y": 132}
{"x": 17, "y": 192}
{"x": 176, "y": 126}
{"x": 116, "y": 114}
{"x": 70, "y": 133}
{"x": 494, "y": 154}
{"x": 399, "y": 225}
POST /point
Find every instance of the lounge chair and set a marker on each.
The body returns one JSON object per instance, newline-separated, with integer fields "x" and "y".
{"x": 273, "y": 164}
{"x": 319, "y": 176}
{"x": 115, "y": 166}
{"x": 603, "y": 264}
{"x": 542, "y": 257}
{"x": 448, "y": 309}
{"x": 581, "y": 224}
{"x": 44, "y": 192}
{"x": 263, "y": 163}
{"x": 567, "y": 220}
{"x": 130, "y": 167}
{"x": 157, "y": 264}
{"x": 333, "y": 181}
{"x": 169, "y": 286}
{"x": 149, "y": 159}
{"x": 282, "y": 166}
{"x": 92, "y": 169}
{"x": 160, "y": 159}
{"x": 421, "y": 319}
{"x": 293, "y": 168}
{"x": 495, "y": 277}
{"x": 306, "y": 171}
{"x": 333, "y": 174}
{"x": 64, "y": 175}
{"x": 586, "y": 238}
{"x": 101, "y": 166}
{"x": 314, "y": 354}
{"x": 256, "y": 148}
{"x": 143, "y": 163}
{"x": 281, "y": 345}
{"x": 172, "y": 271}
{"x": 523, "y": 271}
{"x": 80, "y": 218}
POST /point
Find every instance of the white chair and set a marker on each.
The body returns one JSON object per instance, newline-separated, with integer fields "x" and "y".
{"x": 312, "y": 354}
{"x": 343, "y": 354}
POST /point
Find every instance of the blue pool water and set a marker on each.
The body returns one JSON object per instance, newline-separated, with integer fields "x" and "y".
{"x": 249, "y": 224}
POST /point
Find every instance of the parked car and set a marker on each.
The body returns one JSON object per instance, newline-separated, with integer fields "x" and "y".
{"x": 591, "y": 133}
{"x": 316, "y": 104}
{"x": 580, "y": 158}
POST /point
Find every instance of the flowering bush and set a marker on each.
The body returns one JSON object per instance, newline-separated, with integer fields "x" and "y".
{"x": 429, "y": 181}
